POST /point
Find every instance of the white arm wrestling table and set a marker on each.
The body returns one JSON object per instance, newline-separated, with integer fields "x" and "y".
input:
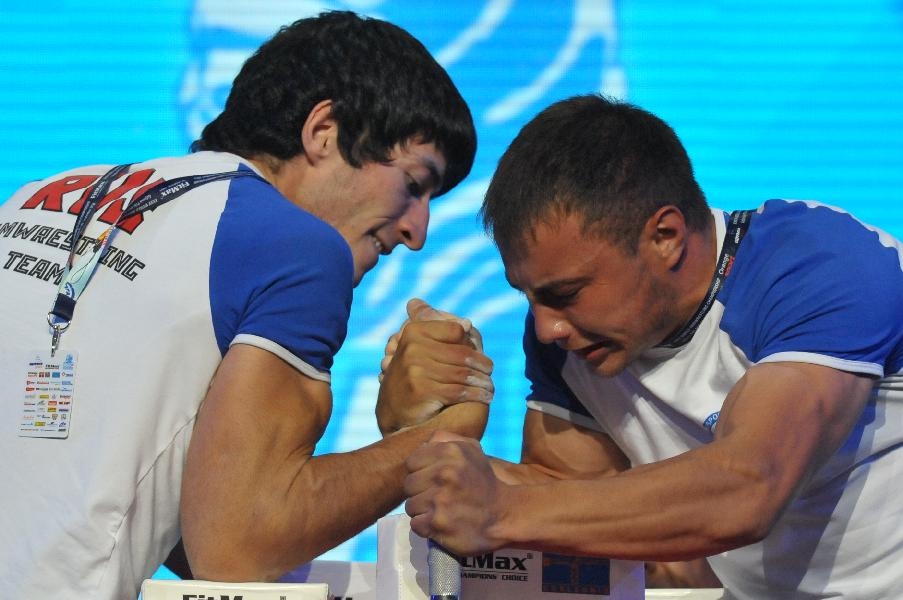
{"x": 401, "y": 572}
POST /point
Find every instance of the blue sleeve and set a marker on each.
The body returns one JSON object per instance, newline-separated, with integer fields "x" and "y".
{"x": 812, "y": 283}
{"x": 278, "y": 273}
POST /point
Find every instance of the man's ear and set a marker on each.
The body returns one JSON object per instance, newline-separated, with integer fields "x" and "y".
{"x": 667, "y": 235}
{"x": 319, "y": 134}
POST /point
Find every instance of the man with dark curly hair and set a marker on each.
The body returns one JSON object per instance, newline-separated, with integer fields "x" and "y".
{"x": 187, "y": 392}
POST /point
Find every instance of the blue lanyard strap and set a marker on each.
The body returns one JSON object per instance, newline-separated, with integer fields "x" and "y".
{"x": 736, "y": 229}
{"x": 77, "y": 276}
{"x": 90, "y": 206}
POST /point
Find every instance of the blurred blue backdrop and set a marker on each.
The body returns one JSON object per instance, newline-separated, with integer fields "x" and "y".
{"x": 800, "y": 99}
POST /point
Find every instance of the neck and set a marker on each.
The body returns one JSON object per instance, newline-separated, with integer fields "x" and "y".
{"x": 695, "y": 273}
{"x": 268, "y": 166}
{"x": 288, "y": 176}
{"x": 701, "y": 259}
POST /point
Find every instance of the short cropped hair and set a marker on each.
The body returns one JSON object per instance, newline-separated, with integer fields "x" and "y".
{"x": 385, "y": 87}
{"x": 612, "y": 163}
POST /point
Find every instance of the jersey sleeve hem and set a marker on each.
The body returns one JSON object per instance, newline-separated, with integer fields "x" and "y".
{"x": 853, "y": 366}
{"x": 565, "y": 414}
{"x": 274, "y": 348}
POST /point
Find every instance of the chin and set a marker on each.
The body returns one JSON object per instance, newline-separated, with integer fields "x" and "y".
{"x": 612, "y": 366}
{"x": 609, "y": 370}
{"x": 358, "y": 276}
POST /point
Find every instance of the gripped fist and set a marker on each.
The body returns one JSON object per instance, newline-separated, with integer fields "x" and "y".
{"x": 418, "y": 310}
{"x": 453, "y": 495}
{"x": 434, "y": 361}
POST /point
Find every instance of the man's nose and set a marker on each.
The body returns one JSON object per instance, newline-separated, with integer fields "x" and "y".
{"x": 414, "y": 222}
{"x": 549, "y": 324}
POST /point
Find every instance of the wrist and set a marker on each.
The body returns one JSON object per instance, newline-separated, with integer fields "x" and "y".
{"x": 467, "y": 419}
{"x": 506, "y": 529}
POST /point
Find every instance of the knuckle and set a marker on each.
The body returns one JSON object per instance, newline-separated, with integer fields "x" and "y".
{"x": 447, "y": 475}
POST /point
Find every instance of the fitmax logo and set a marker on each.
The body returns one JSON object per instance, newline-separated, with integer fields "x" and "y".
{"x": 498, "y": 563}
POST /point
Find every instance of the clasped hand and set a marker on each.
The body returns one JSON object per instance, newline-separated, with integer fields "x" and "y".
{"x": 454, "y": 497}
{"x": 435, "y": 360}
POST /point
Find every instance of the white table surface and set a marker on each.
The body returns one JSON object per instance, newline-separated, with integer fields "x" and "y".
{"x": 684, "y": 594}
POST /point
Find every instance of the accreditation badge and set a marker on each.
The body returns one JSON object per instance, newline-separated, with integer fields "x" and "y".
{"x": 47, "y": 401}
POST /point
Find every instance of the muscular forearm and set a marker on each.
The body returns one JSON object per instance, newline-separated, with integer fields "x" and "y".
{"x": 299, "y": 507}
{"x": 777, "y": 426}
{"x": 521, "y": 474}
{"x": 335, "y": 496}
{"x": 683, "y": 508}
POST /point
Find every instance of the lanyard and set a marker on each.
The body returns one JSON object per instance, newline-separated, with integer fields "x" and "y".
{"x": 76, "y": 276}
{"x": 736, "y": 229}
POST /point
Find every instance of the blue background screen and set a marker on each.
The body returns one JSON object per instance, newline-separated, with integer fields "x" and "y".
{"x": 772, "y": 98}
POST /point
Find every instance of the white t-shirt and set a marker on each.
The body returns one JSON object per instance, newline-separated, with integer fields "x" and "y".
{"x": 233, "y": 261}
{"x": 809, "y": 284}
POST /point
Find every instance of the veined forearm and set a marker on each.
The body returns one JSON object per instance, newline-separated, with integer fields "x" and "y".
{"x": 335, "y": 496}
{"x": 522, "y": 474}
{"x": 332, "y": 497}
{"x": 654, "y": 512}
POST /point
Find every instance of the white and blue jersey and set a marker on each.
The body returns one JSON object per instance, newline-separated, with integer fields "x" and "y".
{"x": 228, "y": 262}
{"x": 811, "y": 284}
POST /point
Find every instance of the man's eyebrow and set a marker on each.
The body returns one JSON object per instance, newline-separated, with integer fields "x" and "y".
{"x": 549, "y": 287}
{"x": 552, "y": 286}
{"x": 435, "y": 177}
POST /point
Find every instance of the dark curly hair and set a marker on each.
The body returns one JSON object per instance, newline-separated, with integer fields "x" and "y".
{"x": 385, "y": 87}
{"x": 610, "y": 162}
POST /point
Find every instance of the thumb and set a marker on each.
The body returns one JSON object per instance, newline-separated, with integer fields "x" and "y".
{"x": 419, "y": 310}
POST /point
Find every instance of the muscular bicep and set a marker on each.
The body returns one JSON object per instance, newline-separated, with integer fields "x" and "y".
{"x": 568, "y": 451}
{"x": 258, "y": 425}
{"x": 783, "y": 420}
